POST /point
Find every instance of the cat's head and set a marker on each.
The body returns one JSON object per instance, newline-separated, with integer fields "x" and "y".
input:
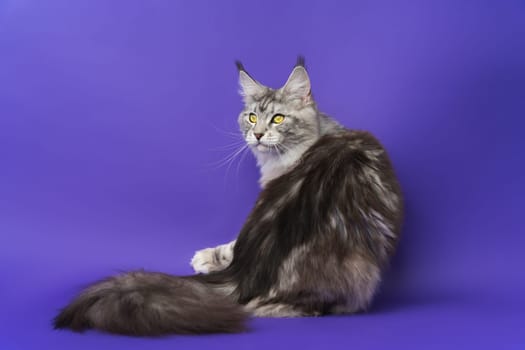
{"x": 280, "y": 120}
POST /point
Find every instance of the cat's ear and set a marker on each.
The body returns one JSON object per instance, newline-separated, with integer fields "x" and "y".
{"x": 298, "y": 84}
{"x": 250, "y": 89}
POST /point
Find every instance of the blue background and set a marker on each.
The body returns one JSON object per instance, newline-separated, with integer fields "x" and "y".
{"x": 115, "y": 115}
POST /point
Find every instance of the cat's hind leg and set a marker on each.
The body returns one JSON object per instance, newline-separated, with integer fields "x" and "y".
{"x": 260, "y": 308}
{"x": 213, "y": 259}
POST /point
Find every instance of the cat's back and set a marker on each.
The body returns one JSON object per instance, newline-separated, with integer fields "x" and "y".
{"x": 345, "y": 155}
{"x": 344, "y": 181}
{"x": 354, "y": 166}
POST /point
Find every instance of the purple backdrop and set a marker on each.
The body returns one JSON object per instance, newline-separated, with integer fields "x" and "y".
{"x": 114, "y": 114}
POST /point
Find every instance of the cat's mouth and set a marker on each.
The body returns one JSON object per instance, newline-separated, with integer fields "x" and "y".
{"x": 264, "y": 147}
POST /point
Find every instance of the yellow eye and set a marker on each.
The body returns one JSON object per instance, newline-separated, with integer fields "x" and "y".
{"x": 278, "y": 119}
{"x": 252, "y": 118}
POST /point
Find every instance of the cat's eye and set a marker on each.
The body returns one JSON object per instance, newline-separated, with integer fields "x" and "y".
{"x": 278, "y": 119}
{"x": 252, "y": 118}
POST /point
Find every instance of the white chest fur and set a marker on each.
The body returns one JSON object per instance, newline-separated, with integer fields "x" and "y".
{"x": 273, "y": 164}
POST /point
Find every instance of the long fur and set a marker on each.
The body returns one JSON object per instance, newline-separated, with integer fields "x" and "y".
{"x": 147, "y": 303}
{"x": 316, "y": 242}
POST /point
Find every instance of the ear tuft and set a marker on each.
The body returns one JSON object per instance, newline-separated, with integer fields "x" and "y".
{"x": 300, "y": 61}
{"x": 239, "y": 66}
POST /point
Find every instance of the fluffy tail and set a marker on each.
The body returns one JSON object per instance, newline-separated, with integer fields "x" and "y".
{"x": 148, "y": 304}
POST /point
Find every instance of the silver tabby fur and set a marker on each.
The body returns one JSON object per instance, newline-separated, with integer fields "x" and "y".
{"x": 320, "y": 235}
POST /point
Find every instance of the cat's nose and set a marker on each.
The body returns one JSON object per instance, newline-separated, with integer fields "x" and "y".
{"x": 258, "y": 135}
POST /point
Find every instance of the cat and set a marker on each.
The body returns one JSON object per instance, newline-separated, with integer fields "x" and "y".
{"x": 317, "y": 241}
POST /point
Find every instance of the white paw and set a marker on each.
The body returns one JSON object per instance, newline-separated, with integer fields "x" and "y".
{"x": 202, "y": 261}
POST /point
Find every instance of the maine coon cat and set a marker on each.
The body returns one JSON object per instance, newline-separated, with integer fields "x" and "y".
{"x": 315, "y": 243}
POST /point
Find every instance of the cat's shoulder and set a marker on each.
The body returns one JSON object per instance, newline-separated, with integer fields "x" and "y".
{"x": 353, "y": 139}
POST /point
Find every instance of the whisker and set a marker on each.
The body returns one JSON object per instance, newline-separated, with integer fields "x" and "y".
{"x": 235, "y": 157}
{"x": 240, "y": 161}
{"x": 229, "y": 157}
{"x": 235, "y": 135}
{"x": 228, "y": 146}
{"x": 283, "y": 147}
{"x": 277, "y": 151}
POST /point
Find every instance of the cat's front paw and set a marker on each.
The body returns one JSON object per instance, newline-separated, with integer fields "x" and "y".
{"x": 202, "y": 261}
